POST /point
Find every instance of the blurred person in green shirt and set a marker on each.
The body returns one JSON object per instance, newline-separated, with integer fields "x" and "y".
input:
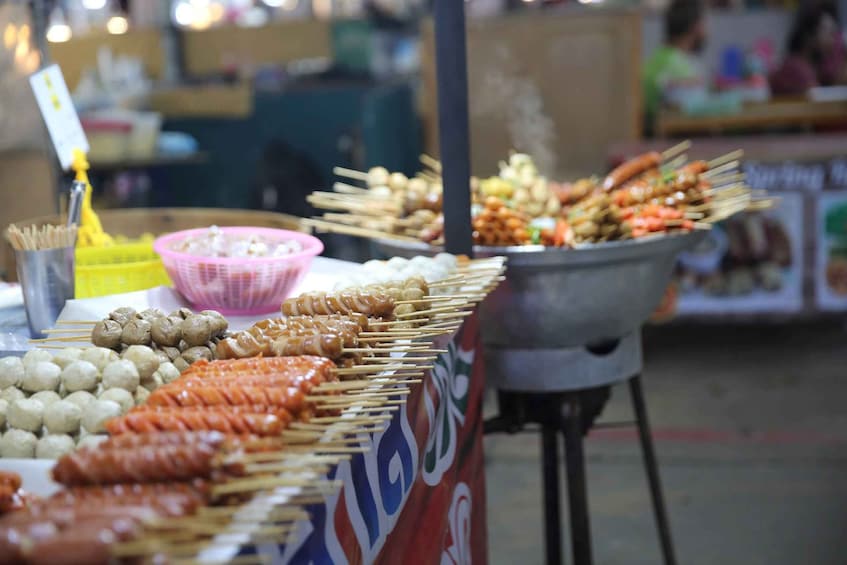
{"x": 674, "y": 70}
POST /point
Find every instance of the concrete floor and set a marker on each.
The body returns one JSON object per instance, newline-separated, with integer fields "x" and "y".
{"x": 751, "y": 432}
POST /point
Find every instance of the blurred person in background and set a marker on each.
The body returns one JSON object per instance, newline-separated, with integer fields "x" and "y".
{"x": 815, "y": 54}
{"x": 675, "y": 69}
{"x": 833, "y": 66}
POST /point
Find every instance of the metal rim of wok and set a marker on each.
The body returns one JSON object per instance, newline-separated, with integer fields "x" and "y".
{"x": 585, "y": 255}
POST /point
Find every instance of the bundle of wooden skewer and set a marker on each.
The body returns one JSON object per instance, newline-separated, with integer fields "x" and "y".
{"x": 33, "y": 238}
{"x": 255, "y": 487}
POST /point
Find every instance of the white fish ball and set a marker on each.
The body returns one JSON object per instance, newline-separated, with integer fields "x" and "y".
{"x": 81, "y": 398}
{"x": 92, "y": 440}
{"x": 67, "y": 356}
{"x": 34, "y": 356}
{"x": 121, "y": 374}
{"x": 80, "y": 375}
{"x": 12, "y": 394}
{"x": 41, "y": 376}
{"x": 46, "y": 397}
{"x": 99, "y": 357}
{"x": 25, "y": 414}
{"x": 447, "y": 260}
{"x": 141, "y": 395}
{"x": 96, "y": 414}
{"x": 396, "y": 263}
{"x": 54, "y": 446}
{"x": 123, "y": 397}
{"x": 18, "y": 444}
{"x": 144, "y": 359}
{"x": 167, "y": 372}
{"x": 63, "y": 417}
{"x": 11, "y": 371}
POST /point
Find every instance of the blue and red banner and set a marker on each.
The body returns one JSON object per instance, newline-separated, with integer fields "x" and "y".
{"x": 418, "y": 494}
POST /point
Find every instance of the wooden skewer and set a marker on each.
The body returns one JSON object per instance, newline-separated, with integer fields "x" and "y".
{"x": 730, "y": 166}
{"x": 265, "y": 483}
{"x": 374, "y": 409}
{"x": 403, "y": 391}
{"x": 682, "y": 147}
{"x": 442, "y": 309}
{"x": 369, "y": 207}
{"x": 392, "y": 378}
{"x": 404, "y": 358}
{"x": 727, "y": 179}
{"x": 350, "y": 173}
{"x": 82, "y": 338}
{"x": 304, "y": 459}
{"x": 345, "y": 188}
{"x": 675, "y": 163}
{"x": 322, "y": 448}
{"x": 429, "y": 177}
{"x": 731, "y": 156}
{"x": 355, "y": 231}
{"x": 373, "y": 369}
{"x": 78, "y": 332}
{"x": 253, "y": 559}
{"x": 444, "y": 298}
{"x": 431, "y": 162}
{"x": 353, "y": 385}
{"x": 764, "y": 204}
{"x": 363, "y": 221}
{"x": 279, "y": 514}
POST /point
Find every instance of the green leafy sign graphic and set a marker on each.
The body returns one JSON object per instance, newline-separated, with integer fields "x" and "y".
{"x": 446, "y": 410}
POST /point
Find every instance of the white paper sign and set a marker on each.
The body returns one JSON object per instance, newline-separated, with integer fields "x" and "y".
{"x": 57, "y": 108}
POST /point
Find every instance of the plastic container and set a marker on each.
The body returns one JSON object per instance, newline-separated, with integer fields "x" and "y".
{"x": 108, "y": 140}
{"x": 237, "y": 286}
{"x": 145, "y": 135}
{"x": 119, "y": 268}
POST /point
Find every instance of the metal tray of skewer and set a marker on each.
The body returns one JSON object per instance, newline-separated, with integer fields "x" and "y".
{"x": 564, "y": 298}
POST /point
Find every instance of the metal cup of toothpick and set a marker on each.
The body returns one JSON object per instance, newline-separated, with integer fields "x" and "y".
{"x": 45, "y": 265}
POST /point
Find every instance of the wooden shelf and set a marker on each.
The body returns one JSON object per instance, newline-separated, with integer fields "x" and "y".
{"x": 155, "y": 161}
{"x": 763, "y": 116}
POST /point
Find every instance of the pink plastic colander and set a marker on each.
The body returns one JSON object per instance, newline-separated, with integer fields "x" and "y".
{"x": 237, "y": 286}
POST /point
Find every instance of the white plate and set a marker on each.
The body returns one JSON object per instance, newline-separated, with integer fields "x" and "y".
{"x": 35, "y": 474}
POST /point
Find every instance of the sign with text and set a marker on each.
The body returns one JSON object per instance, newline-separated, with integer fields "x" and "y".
{"x": 57, "y": 108}
{"x": 750, "y": 263}
{"x": 799, "y": 176}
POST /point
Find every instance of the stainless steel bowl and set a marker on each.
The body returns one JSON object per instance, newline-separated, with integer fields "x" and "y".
{"x": 561, "y": 298}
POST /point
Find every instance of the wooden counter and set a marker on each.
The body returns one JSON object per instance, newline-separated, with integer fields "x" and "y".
{"x": 778, "y": 114}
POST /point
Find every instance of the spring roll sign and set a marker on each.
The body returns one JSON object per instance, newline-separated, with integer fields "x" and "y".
{"x": 57, "y": 109}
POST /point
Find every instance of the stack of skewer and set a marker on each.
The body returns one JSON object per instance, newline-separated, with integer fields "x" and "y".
{"x": 692, "y": 195}
{"x": 226, "y": 456}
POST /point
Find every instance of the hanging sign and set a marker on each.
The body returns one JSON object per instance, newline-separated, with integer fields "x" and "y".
{"x": 57, "y": 108}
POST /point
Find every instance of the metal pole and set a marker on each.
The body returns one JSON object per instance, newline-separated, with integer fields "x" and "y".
{"x": 652, "y": 468}
{"x": 552, "y": 521}
{"x": 453, "y": 126}
{"x": 577, "y": 481}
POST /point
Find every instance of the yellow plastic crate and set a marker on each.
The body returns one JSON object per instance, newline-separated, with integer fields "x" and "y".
{"x": 124, "y": 267}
